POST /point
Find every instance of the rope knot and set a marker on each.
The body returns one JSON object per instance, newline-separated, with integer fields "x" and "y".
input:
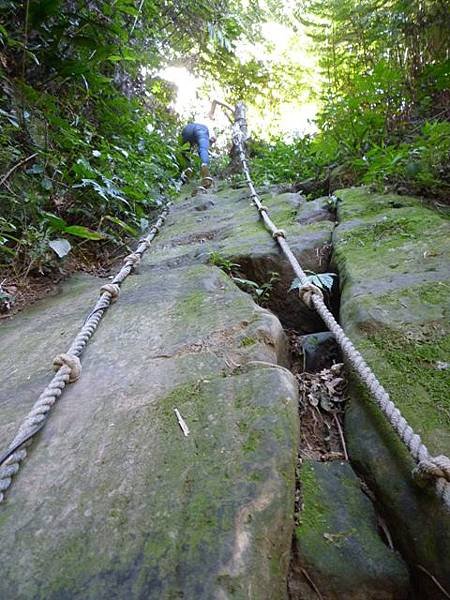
{"x": 433, "y": 467}
{"x": 264, "y": 208}
{"x": 307, "y": 291}
{"x": 112, "y": 289}
{"x": 72, "y": 362}
{"x": 146, "y": 242}
{"x": 132, "y": 260}
{"x": 278, "y": 233}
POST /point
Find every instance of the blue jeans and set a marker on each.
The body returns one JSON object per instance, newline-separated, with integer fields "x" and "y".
{"x": 197, "y": 135}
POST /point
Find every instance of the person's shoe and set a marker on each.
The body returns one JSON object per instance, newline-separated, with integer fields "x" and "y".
{"x": 186, "y": 175}
{"x": 207, "y": 180}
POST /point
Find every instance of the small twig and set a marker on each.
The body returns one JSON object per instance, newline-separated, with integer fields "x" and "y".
{"x": 138, "y": 14}
{"x": 385, "y": 530}
{"x": 434, "y": 580}
{"x": 181, "y": 422}
{"x": 16, "y": 166}
{"x": 311, "y": 582}
{"x": 341, "y": 435}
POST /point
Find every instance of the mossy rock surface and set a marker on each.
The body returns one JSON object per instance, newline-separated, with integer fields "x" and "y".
{"x": 338, "y": 545}
{"x": 392, "y": 253}
{"x": 113, "y": 500}
{"x": 226, "y": 224}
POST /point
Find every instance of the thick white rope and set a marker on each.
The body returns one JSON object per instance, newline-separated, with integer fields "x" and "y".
{"x": 68, "y": 365}
{"x": 430, "y": 468}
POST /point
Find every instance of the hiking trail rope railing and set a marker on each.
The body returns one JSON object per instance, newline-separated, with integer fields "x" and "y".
{"x": 435, "y": 469}
{"x": 68, "y": 365}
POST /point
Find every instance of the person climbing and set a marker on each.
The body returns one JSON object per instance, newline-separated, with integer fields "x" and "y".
{"x": 197, "y": 134}
{"x": 202, "y": 136}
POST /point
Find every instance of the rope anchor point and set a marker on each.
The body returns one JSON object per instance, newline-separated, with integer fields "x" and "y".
{"x": 132, "y": 260}
{"x": 433, "y": 468}
{"x": 72, "y": 362}
{"x": 112, "y": 289}
{"x": 306, "y": 293}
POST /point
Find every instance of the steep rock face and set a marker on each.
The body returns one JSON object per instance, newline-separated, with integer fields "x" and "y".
{"x": 113, "y": 500}
{"x": 225, "y": 223}
{"x": 392, "y": 253}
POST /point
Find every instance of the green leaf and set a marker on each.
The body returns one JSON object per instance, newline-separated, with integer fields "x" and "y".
{"x": 83, "y": 232}
{"x": 246, "y": 282}
{"x": 42, "y": 10}
{"x": 46, "y": 184}
{"x": 131, "y": 230}
{"x": 35, "y": 169}
{"x": 295, "y": 285}
{"x": 321, "y": 280}
{"x": 55, "y": 223}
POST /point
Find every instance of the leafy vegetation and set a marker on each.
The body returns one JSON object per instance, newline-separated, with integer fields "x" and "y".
{"x": 323, "y": 281}
{"x": 88, "y": 146}
{"x": 260, "y": 292}
{"x": 384, "y": 101}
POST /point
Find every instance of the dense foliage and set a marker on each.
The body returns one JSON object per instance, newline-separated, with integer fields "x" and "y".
{"x": 88, "y": 145}
{"x": 385, "y": 97}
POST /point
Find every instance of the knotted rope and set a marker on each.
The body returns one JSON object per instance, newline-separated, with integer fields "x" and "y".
{"x": 68, "y": 365}
{"x": 428, "y": 468}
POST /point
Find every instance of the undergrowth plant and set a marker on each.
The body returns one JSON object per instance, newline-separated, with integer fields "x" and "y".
{"x": 260, "y": 292}
{"x": 324, "y": 281}
{"x": 383, "y": 115}
{"x": 88, "y": 144}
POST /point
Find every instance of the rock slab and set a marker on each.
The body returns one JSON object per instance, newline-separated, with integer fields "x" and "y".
{"x": 338, "y": 546}
{"x": 392, "y": 253}
{"x": 113, "y": 500}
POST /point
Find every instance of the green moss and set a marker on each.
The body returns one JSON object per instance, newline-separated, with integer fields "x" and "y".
{"x": 415, "y": 297}
{"x": 283, "y": 217}
{"x": 409, "y": 369}
{"x": 248, "y": 341}
{"x": 189, "y": 392}
{"x": 360, "y": 202}
{"x": 396, "y": 227}
{"x": 337, "y": 536}
{"x": 252, "y": 442}
{"x": 191, "y": 305}
{"x": 276, "y": 567}
{"x": 205, "y": 516}
{"x": 419, "y": 312}
{"x": 242, "y": 426}
{"x": 314, "y": 514}
{"x": 409, "y": 241}
{"x": 78, "y": 559}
